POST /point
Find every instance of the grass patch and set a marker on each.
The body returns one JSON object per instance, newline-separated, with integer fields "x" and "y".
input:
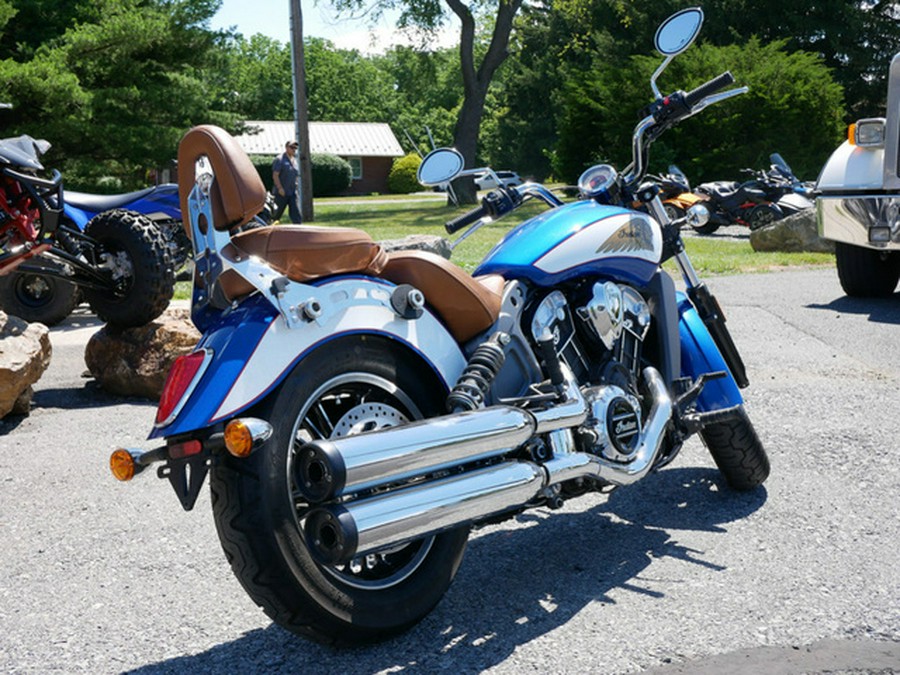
{"x": 723, "y": 256}
{"x": 389, "y": 219}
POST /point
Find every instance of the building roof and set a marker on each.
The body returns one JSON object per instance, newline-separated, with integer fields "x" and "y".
{"x": 345, "y": 139}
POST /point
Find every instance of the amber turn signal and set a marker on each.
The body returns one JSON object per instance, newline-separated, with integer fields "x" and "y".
{"x": 121, "y": 463}
{"x": 243, "y": 436}
{"x": 238, "y": 439}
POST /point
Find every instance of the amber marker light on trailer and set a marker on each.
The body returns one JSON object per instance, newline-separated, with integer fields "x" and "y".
{"x": 244, "y": 435}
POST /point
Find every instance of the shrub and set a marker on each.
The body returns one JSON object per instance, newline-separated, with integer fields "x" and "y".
{"x": 331, "y": 175}
{"x": 263, "y": 165}
{"x": 402, "y": 179}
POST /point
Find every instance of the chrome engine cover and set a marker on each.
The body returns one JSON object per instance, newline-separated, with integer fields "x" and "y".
{"x": 614, "y": 425}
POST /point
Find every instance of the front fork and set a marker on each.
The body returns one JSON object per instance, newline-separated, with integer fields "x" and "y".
{"x": 707, "y": 306}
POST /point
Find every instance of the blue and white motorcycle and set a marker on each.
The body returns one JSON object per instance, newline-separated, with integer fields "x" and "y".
{"x": 358, "y": 412}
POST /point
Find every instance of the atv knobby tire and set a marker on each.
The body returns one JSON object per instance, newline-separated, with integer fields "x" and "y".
{"x": 141, "y": 277}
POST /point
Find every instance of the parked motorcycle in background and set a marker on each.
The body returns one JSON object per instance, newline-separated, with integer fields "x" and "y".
{"x": 766, "y": 197}
{"x": 51, "y": 253}
{"x": 676, "y": 193}
{"x": 358, "y": 411}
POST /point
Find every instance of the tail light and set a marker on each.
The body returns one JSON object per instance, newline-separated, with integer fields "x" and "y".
{"x": 180, "y": 383}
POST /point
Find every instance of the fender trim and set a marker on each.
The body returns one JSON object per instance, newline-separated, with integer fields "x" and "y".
{"x": 254, "y": 349}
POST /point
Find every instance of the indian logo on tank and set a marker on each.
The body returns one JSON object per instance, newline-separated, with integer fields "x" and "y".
{"x": 633, "y": 236}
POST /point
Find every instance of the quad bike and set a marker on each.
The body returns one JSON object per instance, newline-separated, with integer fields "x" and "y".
{"x": 357, "y": 412}
{"x": 51, "y": 255}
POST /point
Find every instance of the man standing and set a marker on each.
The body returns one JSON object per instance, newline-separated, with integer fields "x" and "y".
{"x": 284, "y": 176}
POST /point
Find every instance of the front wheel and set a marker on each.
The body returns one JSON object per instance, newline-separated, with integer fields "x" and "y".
{"x": 709, "y": 228}
{"x": 133, "y": 254}
{"x": 737, "y": 451}
{"x": 356, "y": 384}
{"x": 38, "y": 297}
{"x": 673, "y": 211}
{"x": 865, "y": 272}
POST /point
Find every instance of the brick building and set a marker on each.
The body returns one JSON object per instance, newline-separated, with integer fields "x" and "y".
{"x": 370, "y": 148}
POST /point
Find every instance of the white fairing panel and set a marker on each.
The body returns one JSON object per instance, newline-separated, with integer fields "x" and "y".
{"x": 349, "y": 306}
{"x": 852, "y": 168}
{"x": 628, "y": 235}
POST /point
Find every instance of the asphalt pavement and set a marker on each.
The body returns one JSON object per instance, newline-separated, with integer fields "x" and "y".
{"x": 672, "y": 575}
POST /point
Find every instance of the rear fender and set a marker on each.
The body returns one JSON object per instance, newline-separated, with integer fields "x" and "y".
{"x": 253, "y": 349}
{"x": 700, "y": 355}
{"x": 77, "y": 216}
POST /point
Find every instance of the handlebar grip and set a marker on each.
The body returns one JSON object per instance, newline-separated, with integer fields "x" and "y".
{"x": 465, "y": 219}
{"x": 694, "y": 96}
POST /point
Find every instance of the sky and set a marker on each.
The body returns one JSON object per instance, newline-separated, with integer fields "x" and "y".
{"x": 272, "y": 18}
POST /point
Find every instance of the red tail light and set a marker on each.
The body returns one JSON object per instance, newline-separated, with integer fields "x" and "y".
{"x": 182, "y": 378}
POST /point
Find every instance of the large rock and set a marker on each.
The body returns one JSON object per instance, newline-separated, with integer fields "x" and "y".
{"x": 419, "y": 242}
{"x": 135, "y": 361}
{"x": 24, "y": 356}
{"x": 795, "y": 233}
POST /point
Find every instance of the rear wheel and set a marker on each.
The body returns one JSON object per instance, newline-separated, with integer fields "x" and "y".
{"x": 866, "y": 273}
{"x": 360, "y": 384}
{"x": 762, "y": 215}
{"x": 737, "y": 451}
{"x": 38, "y": 297}
{"x": 134, "y": 254}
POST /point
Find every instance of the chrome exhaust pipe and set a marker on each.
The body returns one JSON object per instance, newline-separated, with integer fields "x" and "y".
{"x": 327, "y": 469}
{"x": 337, "y": 533}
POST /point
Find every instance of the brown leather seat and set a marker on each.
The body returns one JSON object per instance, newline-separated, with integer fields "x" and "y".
{"x": 304, "y": 252}
{"x": 467, "y": 305}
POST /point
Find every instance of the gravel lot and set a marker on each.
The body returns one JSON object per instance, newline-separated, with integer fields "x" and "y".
{"x": 674, "y": 574}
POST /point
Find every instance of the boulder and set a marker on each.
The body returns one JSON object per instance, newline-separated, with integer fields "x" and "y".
{"x": 136, "y": 361}
{"x": 25, "y": 352}
{"x": 419, "y": 242}
{"x": 795, "y": 233}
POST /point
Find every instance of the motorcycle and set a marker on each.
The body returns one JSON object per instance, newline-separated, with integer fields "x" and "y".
{"x": 53, "y": 249}
{"x": 676, "y": 195}
{"x": 358, "y": 412}
{"x": 766, "y": 197}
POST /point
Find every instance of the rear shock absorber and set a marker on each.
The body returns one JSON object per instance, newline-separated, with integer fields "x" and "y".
{"x": 475, "y": 381}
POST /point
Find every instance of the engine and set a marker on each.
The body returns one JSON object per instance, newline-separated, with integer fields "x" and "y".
{"x": 601, "y": 344}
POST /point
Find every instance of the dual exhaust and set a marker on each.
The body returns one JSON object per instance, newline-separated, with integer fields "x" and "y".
{"x": 327, "y": 470}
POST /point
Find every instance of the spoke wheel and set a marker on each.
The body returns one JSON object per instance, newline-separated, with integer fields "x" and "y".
{"x": 354, "y": 385}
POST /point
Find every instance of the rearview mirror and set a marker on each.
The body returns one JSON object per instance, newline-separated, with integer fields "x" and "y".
{"x": 440, "y": 166}
{"x": 676, "y": 33}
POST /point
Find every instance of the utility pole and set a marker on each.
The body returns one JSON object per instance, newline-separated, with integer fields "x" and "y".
{"x": 301, "y": 114}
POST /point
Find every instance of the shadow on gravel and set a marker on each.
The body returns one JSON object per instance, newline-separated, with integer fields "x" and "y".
{"x": 879, "y": 310}
{"x": 527, "y": 582}
{"x": 91, "y": 395}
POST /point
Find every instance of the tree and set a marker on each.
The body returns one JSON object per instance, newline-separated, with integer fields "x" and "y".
{"x": 477, "y": 72}
{"x": 794, "y": 107}
{"x": 113, "y": 86}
